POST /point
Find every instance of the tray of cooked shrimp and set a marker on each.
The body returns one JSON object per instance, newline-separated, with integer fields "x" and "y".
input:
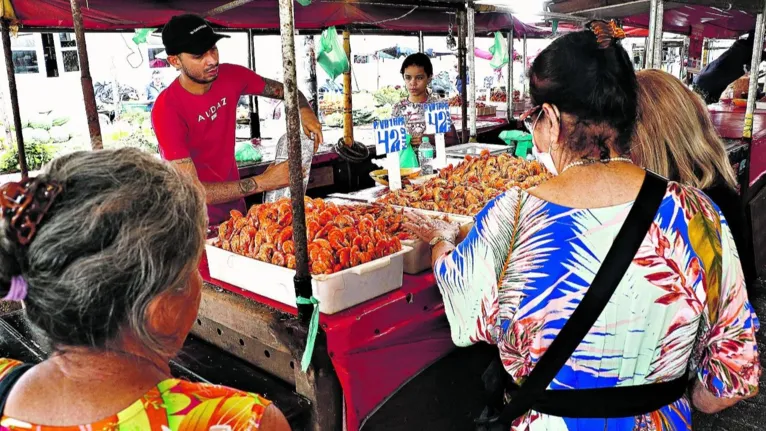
{"x": 465, "y": 189}
{"x": 391, "y": 219}
{"x": 352, "y": 256}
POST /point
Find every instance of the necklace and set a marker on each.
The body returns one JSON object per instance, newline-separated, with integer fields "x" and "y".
{"x": 593, "y": 161}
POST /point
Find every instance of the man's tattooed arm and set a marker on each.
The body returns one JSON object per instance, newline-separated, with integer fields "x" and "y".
{"x": 276, "y": 90}
{"x": 216, "y": 193}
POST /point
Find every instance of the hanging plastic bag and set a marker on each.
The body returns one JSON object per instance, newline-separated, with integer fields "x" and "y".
{"x": 307, "y": 152}
{"x": 407, "y": 157}
{"x": 245, "y": 152}
{"x": 331, "y": 55}
{"x": 304, "y": 2}
{"x": 499, "y": 52}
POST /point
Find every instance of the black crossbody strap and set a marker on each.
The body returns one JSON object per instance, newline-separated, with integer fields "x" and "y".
{"x": 608, "y": 277}
{"x": 8, "y": 381}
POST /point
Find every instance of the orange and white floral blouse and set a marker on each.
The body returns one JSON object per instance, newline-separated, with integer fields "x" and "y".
{"x": 173, "y": 405}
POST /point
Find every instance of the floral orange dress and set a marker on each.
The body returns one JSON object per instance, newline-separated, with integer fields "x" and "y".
{"x": 173, "y": 405}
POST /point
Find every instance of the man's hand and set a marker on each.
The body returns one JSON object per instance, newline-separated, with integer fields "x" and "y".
{"x": 276, "y": 176}
{"x": 311, "y": 126}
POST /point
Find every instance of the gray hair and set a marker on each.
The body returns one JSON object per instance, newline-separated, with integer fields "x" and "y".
{"x": 126, "y": 228}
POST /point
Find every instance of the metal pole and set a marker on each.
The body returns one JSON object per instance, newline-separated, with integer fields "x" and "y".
{"x": 302, "y": 275}
{"x": 348, "y": 119}
{"x": 760, "y": 30}
{"x": 11, "y": 71}
{"x": 91, "y": 112}
{"x": 421, "y": 42}
{"x": 658, "y": 34}
{"x": 254, "y": 115}
{"x": 656, "y": 12}
{"x": 524, "y": 67}
{"x": 311, "y": 76}
{"x": 463, "y": 75}
{"x": 684, "y": 55}
{"x": 649, "y": 47}
{"x": 471, "y": 14}
{"x": 509, "y": 80}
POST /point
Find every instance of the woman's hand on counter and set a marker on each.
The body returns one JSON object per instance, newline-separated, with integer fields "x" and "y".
{"x": 311, "y": 126}
{"x": 427, "y": 228}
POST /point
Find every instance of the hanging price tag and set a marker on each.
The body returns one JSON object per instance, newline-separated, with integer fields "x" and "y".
{"x": 438, "y": 119}
{"x": 390, "y": 135}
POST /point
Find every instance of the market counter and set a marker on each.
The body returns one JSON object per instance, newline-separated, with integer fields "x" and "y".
{"x": 374, "y": 348}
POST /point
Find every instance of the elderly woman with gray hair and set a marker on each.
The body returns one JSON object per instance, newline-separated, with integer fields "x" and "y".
{"x": 103, "y": 248}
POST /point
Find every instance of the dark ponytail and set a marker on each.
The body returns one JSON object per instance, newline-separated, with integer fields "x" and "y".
{"x": 589, "y": 76}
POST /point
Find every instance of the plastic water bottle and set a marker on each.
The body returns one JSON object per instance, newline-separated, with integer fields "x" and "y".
{"x": 426, "y": 154}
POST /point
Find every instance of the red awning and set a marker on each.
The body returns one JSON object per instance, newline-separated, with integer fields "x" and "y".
{"x": 717, "y": 24}
{"x": 259, "y": 14}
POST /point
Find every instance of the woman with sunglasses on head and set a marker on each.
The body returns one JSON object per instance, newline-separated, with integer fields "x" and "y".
{"x": 103, "y": 249}
{"x": 629, "y": 281}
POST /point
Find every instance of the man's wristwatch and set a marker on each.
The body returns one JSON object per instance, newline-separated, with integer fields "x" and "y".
{"x": 437, "y": 240}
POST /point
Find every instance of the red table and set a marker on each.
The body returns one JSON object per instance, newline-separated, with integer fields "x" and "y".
{"x": 379, "y": 345}
{"x": 729, "y": 120}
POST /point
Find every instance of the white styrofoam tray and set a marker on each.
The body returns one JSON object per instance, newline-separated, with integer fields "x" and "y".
{"x": 336, "y": 292}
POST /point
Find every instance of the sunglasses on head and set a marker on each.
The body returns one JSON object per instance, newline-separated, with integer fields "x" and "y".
{"x": 530, "y": 117}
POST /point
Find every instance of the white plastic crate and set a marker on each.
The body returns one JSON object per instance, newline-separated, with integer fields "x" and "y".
{"x": 336, "y": 292}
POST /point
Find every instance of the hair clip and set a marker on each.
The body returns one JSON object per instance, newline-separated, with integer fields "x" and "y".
{"x": 18, "y": 290}
{"x": 606, "y": 32}
{"x": 26, "y": 204}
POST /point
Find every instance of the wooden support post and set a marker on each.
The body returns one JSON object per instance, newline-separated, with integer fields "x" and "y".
{"x": 471, "y": 38}
{"x": 348, "y": 118}
{"x": 295, "y": 157}
{"x": 509, "y": 79}
{"x": 89, "y": 97}
{"x": 461, "y": 43}
{"x": 11, "y": 71}
{"x": 311, "y": 76}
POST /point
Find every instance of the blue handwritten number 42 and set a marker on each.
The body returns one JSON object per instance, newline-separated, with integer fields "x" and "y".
{"x": 440, "y": 120}
{"x": 392, "y": 139}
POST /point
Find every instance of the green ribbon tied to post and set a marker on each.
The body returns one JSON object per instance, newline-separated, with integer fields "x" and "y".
{"x": 313, "y": 330}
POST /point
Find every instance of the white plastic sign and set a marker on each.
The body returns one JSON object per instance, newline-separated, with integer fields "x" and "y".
{"x": 438, "y": 118}
{"x": 390, "y": 135}
{"x": 390, "y": 141}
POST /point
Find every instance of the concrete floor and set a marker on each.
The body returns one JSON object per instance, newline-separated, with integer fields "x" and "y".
{"x": 749, "y": 415}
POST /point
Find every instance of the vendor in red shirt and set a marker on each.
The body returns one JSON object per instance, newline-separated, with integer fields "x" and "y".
{"x": 195, "y": 117}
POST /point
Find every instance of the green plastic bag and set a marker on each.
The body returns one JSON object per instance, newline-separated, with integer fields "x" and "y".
{"x": 304, "y": 2}
{"x": 407, "y": 157}
{"x": 331, "y": 56}
{"x": 245, "y": 152}
{"x": 499, "y": 51}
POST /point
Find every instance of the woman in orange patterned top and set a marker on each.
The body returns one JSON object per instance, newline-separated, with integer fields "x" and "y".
{"x": 103, "y": 248}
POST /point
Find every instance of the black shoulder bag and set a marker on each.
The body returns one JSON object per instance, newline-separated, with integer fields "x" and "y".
{"x": 8, "y": 381}
{"x": 613, "y": 402}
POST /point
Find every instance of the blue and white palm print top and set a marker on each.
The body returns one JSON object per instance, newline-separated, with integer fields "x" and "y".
{"x": 527, "y": 263}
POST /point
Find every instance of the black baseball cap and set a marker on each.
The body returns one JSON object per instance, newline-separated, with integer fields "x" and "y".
{"x": 189, "y": 34}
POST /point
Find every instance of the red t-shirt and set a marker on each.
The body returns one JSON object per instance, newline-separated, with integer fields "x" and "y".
{"x": 202, "y": 127}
